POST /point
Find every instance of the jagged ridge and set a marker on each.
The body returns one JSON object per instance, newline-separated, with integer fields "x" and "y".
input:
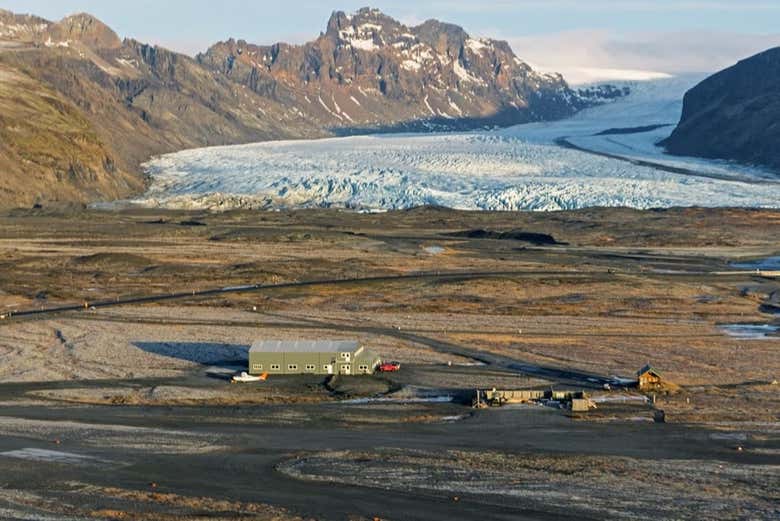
{"x": 368, "y": 71}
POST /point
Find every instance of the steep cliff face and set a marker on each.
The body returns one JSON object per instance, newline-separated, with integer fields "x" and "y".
{"x": 734, "y": 114}
{"x": 119, "y": 102}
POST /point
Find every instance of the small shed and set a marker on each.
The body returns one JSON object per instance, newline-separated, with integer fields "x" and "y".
{"x": 581, "y": 404}
{"x": 649, "y": 378}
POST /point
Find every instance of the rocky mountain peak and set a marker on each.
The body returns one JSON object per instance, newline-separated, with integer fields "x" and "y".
{"x": 365, "y": 29}
{"x": 85, "y": 29}
{"x": 368, "y": 71}
{"x": 443, "y": 37}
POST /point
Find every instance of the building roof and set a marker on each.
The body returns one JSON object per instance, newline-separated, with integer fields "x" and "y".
{"x": 648, "y": 369}
{"x": 304, "y": 346}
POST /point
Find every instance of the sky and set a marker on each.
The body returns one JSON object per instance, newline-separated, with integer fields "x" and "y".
{"x": 583, "y": 39}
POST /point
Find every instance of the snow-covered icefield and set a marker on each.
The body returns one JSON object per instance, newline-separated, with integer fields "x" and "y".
{"x": 519, "y": 168}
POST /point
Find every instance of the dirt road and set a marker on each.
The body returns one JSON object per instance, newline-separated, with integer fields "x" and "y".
{"x": 242, "y": 463}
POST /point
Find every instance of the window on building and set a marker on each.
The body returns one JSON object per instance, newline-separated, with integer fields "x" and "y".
{"x": 345, "y": 355}
{"x": 257, "y": 367}
{"x": 311, "y": 367}
{"x": 363, "y": 368}
{"x": 292, "y": 367}
{"x": 275, "y": 367}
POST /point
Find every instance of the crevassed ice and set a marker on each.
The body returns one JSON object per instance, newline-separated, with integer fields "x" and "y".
{"x": 520, "y": 168}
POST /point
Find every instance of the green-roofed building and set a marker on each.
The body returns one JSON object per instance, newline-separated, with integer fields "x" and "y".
{"x": 311, "y": 357}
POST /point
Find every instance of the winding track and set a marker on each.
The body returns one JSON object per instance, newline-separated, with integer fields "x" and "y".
{"x": 564, "y": 142}
{"x": 249, "y": 288}
{"x": 432, "y": 276}
{"x": 559, "y": 374}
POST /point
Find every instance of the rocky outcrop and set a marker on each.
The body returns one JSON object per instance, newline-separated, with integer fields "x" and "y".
{"x": 734, "y": 114}
{"x": 22, "y": 27}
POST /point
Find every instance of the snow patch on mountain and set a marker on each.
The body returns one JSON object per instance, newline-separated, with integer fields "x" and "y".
{"x": 411, "y": 65}
{"x": 365, "y": 45}
{"x": 50, "y": 43}
{"x": 477, "y": 45}
{"x": 463, "y": 74}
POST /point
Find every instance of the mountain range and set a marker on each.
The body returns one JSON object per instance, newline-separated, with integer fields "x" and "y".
{"x": 82, "y": 109}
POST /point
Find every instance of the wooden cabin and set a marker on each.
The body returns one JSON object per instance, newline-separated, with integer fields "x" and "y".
{"x": 648, "y": 378}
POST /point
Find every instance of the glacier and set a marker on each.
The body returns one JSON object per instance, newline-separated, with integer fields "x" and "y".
{"x": 517, "y": 168}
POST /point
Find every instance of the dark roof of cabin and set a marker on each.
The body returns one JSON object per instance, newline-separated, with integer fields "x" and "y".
{"x": 648, "y": 369}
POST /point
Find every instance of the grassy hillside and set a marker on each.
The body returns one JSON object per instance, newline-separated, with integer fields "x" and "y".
{"x": 49, "y": 151}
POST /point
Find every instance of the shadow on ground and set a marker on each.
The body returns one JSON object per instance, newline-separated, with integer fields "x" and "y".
{"x": 206, "y": 353}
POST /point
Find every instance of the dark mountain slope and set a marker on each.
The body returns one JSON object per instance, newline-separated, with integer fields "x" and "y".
{"x": 734, "y": 114}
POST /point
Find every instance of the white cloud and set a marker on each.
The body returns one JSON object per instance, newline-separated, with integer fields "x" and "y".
{"x": 576, "y": 54}
{"x": 509, "y": 6}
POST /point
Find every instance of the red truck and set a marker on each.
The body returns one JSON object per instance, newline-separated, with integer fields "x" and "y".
{"x": 389, "y": 367}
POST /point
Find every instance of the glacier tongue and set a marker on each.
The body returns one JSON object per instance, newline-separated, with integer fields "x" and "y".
{"x": 520, "y": 168}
